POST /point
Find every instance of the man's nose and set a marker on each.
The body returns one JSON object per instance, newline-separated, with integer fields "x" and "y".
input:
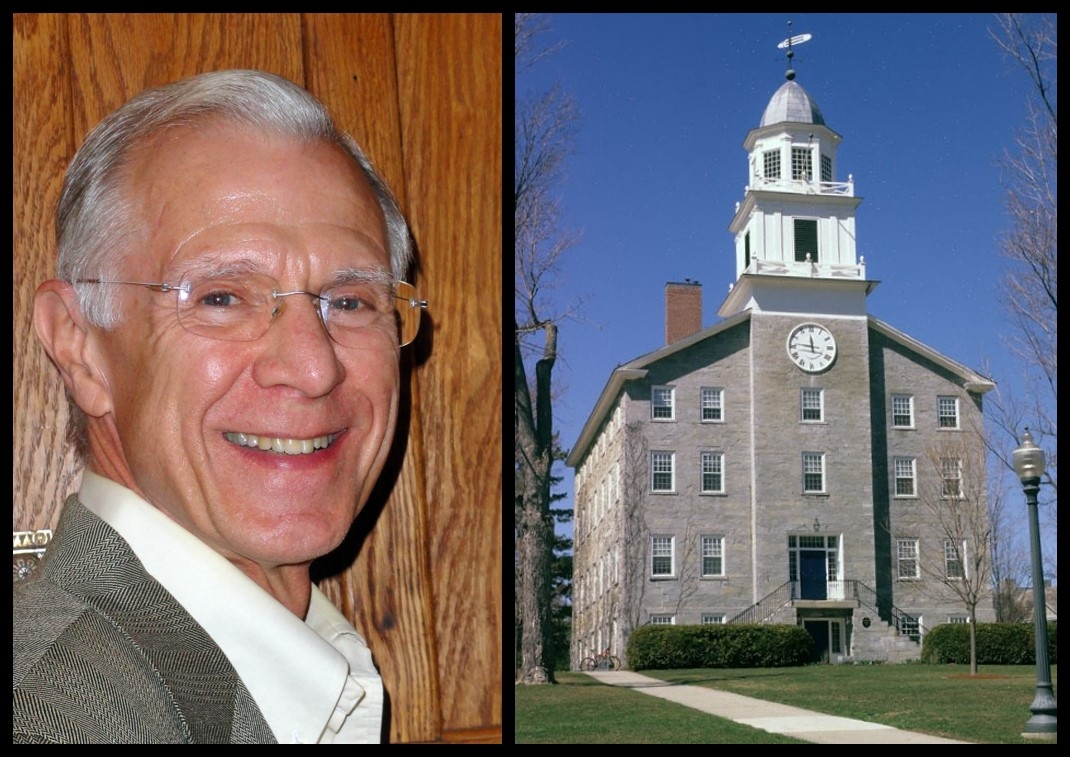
{"x": 301, "y": 353}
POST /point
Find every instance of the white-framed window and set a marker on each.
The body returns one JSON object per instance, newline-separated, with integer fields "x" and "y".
{"x": 958, "y": 618}
{"x": 712, "y": 549}
{"x": 663, "y": 471}
{"x": 771, "y": 159}
{"x": 802, "y": 165}
{"x": 951, "y": 472}
{"x": 903, "y": 411}
{"x": 813, "y": 466}
{"x": 826, "y": 168}
{"x": 813, "y": 404}
{"x": 947, "y": 410}
{"x": 907, "y": 558}
{"x": 662, "y": 403}
{"x": 662, "y": 619}
{"x": 905, "y": 470}
{"x": 712, "y": 404}
{"x": 712, "y": 472}
{"x": 954, "y": 567}
{"x": 662, "y": 555}
{"x": 910, "y": 626}
{"x": 713, "y": 618}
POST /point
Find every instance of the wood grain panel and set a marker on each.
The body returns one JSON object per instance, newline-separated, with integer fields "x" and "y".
{"x": 388, "y": 589}
{"x": 43, "y": 142}
{"x": 116, "y": 55}
{"x": 449, "y": 81}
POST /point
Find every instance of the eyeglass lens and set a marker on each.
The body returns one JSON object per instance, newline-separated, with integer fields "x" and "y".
{"x": 360, "y": 314}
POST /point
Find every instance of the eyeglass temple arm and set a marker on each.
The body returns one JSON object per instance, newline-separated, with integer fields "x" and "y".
{"x": 161, "y": 286}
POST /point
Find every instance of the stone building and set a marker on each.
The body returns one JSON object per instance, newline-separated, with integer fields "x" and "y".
{"x": 797, "y": 461}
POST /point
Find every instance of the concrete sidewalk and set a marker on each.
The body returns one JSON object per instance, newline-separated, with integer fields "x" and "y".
{"x": 772, "y": 717}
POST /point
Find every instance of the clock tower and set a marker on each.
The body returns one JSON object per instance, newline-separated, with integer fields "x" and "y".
{"x": 795, "y": 228}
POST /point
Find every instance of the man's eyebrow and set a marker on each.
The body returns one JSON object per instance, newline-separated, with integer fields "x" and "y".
{"x": 220, "y": 266}
{"x": 213, "y": 266}
{"x": 374, "y": 275}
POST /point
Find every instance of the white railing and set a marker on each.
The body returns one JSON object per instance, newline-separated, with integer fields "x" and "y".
{"x": 805, "y": 186}
{"x": 808, "y": 269}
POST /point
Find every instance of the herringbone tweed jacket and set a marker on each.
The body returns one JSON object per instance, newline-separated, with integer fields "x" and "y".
{"x": 103, "y": 653}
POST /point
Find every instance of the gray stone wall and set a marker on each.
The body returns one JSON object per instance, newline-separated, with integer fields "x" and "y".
{"x": 762, "y": 436}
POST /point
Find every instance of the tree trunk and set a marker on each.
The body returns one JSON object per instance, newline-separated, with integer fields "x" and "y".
{"x": 973, "y": 639}
{"x": 535, "y": 668}
{"x": 535, "y": 451}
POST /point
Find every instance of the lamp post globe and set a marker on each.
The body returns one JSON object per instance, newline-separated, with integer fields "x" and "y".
{"x": 1028, "y": 462}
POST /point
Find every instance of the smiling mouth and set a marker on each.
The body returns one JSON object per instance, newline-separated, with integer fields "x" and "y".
{"x": 285, "y": 445}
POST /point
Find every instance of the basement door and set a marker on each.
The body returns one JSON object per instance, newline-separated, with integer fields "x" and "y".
{"x": 828, "y": 638}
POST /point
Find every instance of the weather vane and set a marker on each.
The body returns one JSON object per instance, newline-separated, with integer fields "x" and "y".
{"x": 798, "y": 39}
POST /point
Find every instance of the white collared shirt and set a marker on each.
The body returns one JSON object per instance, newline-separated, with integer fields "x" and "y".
{"x": 313, "y": 680}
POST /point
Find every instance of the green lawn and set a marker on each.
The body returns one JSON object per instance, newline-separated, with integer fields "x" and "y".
{"x": 943, "y": 700}
{"x": 580, "y": 710}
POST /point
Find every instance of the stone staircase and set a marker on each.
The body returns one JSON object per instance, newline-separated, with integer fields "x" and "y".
{"x": 879, "y": 641}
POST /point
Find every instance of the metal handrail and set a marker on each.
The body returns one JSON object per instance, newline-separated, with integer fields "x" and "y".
{"x": 853, "y": 590}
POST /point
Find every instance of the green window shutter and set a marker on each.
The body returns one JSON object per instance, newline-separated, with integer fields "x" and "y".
{"x": 805, "y": 239}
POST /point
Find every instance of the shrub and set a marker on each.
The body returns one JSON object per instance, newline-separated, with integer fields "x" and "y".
{"x": 719, "y": 646}
{"x": 1011, "y": 644}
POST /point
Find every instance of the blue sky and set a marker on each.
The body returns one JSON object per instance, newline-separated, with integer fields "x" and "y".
{"x": 926, "y": 105}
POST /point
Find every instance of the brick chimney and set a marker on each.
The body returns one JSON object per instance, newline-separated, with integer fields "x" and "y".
{"x": 683, "y": 309}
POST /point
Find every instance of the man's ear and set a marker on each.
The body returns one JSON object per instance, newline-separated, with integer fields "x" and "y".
{"x": 64, "y": 332}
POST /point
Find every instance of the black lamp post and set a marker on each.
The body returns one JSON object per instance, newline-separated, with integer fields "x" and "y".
{"x": 1029, "y": 465}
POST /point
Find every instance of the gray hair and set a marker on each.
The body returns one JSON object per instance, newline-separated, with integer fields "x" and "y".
{"x": 93, "y": 218}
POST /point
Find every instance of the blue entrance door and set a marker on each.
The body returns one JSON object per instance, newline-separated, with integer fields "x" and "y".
{"x": 813, "y": 574}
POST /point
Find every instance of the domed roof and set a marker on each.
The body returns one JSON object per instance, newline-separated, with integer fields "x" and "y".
{"x": 792, "y": 103}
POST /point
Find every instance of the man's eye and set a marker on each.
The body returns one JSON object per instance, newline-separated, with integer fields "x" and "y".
{"x": 219, "y": 299}
{"x": 348, "y": 303}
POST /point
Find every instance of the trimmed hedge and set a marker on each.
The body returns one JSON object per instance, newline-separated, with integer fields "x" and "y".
{"x": 1012, "y": 644}
{"x": 719, "y": 646}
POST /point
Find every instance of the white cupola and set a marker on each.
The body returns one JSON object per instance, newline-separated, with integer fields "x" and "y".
{"x": 795, "y": 228}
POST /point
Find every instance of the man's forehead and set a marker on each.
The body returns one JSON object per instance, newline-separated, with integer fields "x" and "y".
{"x": 232, "y": 190}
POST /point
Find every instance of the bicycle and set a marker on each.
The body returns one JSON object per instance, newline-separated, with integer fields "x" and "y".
{"x": 601, "y": 662}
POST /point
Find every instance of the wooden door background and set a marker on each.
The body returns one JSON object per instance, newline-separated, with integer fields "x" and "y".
{"x": 422, "y": 95}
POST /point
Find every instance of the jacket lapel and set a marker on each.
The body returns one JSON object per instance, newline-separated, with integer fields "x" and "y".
{"x": 91, "y": 559}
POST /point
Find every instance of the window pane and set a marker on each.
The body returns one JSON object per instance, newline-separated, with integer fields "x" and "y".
{"x": 902, "y": 410}
{"x": 711, "y": 404}
{"x": 772, "y": 164}
{"x": 801, "y": 163}
{"x": 661, "y": 467}
{"x": 949, "y": 412}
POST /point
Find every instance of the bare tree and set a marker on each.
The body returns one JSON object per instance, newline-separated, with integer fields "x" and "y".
{"x": 543, "y": 130}
{"x": 953, "y": 491}
{"x": 1030, "y": 248}
{"x": 1008, "y": 557}
{"x": 634, "y": 534}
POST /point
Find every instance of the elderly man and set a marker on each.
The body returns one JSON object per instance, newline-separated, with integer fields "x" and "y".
{"x": 227, "y": 320}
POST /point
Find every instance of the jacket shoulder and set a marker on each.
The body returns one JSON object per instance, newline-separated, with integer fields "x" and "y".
{"x": 78, "y": 678}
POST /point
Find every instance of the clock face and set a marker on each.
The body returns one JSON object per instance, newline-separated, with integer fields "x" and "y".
{"x": 811, "y": 347}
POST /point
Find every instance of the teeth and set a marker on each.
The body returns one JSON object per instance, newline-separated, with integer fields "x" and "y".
{"x": 287, "y": 446}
